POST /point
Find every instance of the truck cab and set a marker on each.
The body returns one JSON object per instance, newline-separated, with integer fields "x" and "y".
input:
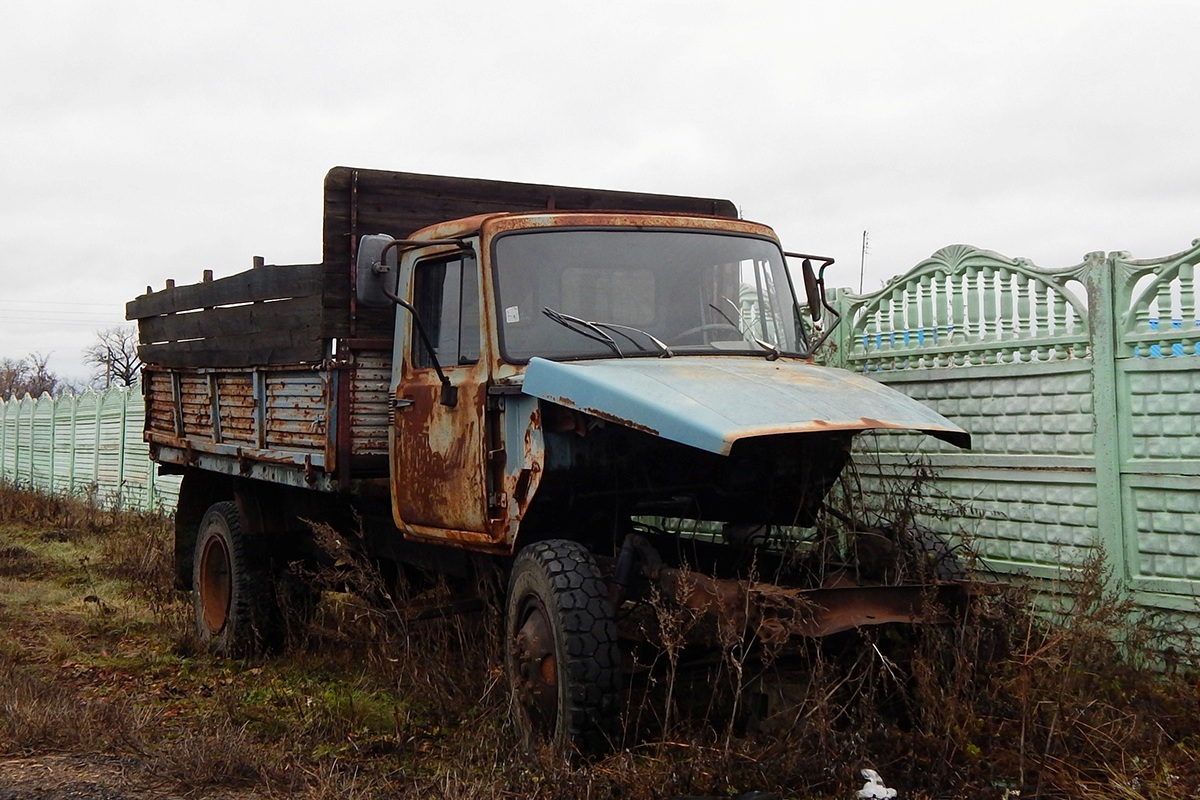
{"x": 563, "y": 373}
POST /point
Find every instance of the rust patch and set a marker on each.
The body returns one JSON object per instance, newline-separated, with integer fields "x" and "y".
{"x": 495, "y": 224}
{"x": 438, "y": 466}
{"x": 604, "y": 415}
{"x": 775, "y": 614}
{"x": 563, "y": 416}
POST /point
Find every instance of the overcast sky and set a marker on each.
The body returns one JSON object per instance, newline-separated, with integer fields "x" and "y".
{"x": 142, "y": 141}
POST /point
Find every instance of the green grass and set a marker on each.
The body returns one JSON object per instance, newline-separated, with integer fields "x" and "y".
{"x": 98, "y": 660}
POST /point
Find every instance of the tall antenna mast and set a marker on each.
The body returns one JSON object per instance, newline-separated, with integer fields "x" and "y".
{"x": 862, "y": 265}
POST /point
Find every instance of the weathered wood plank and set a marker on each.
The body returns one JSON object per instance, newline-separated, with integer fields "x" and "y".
{"x": 302, "y": 315}
{"x": 263, "y": 283}
{"x": 273, "y": 347}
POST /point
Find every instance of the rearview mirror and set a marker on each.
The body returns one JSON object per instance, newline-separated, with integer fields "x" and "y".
{"x": 375, "y": 280}
{"x": 814, "y": 282}
{"x": 812, "y": 290}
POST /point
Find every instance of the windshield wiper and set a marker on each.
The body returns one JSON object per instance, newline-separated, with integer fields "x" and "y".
{"x": 773, "y": 351}
{"x": 663, "y": 350}
{"x": 569, "y": 322}
{"x": 728, "y": 319}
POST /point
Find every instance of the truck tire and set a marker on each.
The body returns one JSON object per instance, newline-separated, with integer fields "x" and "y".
{"x": 561, "y": 656}
{"x": 231, "y": 592}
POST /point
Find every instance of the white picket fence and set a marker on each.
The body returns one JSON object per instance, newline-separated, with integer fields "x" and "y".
{"x": 87, "y": 444}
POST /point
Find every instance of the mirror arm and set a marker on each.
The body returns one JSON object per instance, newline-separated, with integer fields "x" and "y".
{"x": 825, "y": 260}
{"x": 821, "y": 301}
{"x": 837, "y": 318}
{"x": 408, "y": 244}
{"x": 380, "y": 267}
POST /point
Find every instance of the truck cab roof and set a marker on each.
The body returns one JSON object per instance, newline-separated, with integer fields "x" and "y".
{"x": 515, "y": 220}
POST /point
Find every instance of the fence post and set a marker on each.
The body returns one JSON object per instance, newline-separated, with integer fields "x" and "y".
{"x": 33, "y": 443}
{"x": 844, "y": 336}
{"x": 74, "y": 428}
{"x": 96, "y": 424}
{"x": 1102, "y": 313}
{"x": 3, "y": 438}
{"x": 17, "y": 443}
{"x": 121, "y": 450}
{"x": 53, "y": 441}
{"x": 144, "y": 450}
{"x": 5, "y": 443}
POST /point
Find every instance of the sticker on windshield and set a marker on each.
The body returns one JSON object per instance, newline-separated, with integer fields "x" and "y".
{"x": 512, "y": 314}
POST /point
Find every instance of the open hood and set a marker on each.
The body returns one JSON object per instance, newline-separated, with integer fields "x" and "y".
{"x": 711, "y": 402}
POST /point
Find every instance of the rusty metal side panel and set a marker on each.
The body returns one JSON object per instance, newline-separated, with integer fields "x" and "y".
{"x": 370, "y": 410}
{"x": 160, "y": 407}
{"x": 264, "y": 424}
{"x": 235, "y": 407}
{"x": 296, "y": 413}
{"x": 439, "y": 475}
{"x": 525, "y": 453}
{"x": 195, "y": 409}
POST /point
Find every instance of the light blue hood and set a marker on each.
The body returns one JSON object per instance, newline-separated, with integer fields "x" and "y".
{"x": 711, "y": 402}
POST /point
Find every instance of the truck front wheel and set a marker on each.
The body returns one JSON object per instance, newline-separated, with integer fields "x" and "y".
{"x": 231, "y": 593}
{"x": 561, "y": 659}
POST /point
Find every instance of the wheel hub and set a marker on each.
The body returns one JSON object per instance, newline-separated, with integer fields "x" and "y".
{"x": 537, "y": 667}
{"x": 215, "y": 585}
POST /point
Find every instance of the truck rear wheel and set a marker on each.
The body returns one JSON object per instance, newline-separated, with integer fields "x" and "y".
{"x": 231, "y": 593}
{"x": 561, "y": 649}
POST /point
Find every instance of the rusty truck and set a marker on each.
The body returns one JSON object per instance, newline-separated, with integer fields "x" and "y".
{"x": 602, "y": 396}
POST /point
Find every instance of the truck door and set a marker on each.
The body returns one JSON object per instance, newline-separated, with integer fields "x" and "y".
{"x": 439, "y": 471}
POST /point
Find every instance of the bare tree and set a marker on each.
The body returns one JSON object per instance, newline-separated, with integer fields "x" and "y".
{"x": 29, "y": 375}
{"x": 114, "y": 355}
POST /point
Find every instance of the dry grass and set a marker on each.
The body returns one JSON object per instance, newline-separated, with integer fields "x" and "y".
{"x": 370, "y": 703}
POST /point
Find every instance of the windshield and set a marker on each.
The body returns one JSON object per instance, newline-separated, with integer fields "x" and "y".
{"x": 587, "y": 293}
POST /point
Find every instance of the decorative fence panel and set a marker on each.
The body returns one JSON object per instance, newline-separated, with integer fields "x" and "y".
{"x": 1157, "y": 329}
{"x": 1080, "y": 386}
{"x": 87, "y": 444}
{"x": 1081, "y": 389}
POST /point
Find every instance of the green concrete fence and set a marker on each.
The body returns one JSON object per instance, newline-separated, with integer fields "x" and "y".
{"x": 1081, "y": 388}
{"x": 88, "y": 444}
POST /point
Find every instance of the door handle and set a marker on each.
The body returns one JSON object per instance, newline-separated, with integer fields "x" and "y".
{"x": 401, "y": 403}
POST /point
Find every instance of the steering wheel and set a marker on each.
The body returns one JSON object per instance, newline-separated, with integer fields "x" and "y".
{"x": 712, "y": 326}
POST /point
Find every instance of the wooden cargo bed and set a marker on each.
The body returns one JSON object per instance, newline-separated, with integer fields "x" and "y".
{"x": 320, "y": 425}
{"x": 276, "y": 372}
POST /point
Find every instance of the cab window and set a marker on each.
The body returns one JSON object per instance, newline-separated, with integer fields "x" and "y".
{"x": 446, "y": 296}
